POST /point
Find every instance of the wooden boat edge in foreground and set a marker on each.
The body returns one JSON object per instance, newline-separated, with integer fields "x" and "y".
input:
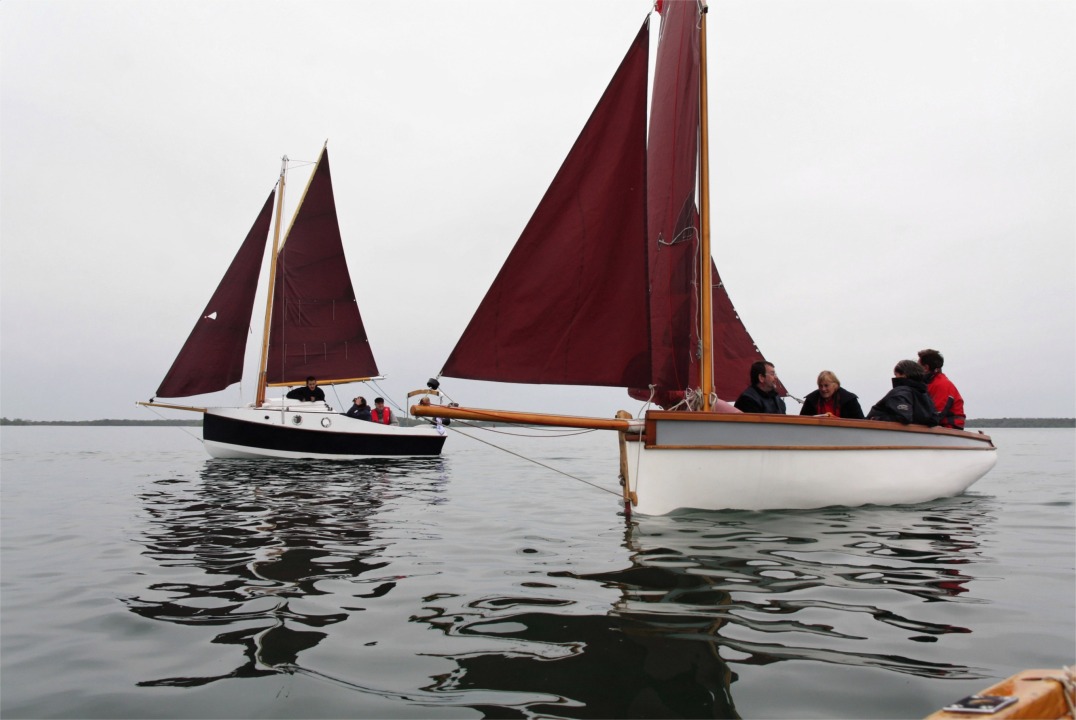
{"x": 1039, "y": 694}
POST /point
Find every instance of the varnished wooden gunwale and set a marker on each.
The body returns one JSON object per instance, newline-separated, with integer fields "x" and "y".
{"x": 1040, "y": 694}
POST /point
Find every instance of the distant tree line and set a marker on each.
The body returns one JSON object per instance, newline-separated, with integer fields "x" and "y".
{"x": 104, "y": 423}
{"x": 1020, "y": 422}
{"x": 972, "y": 422}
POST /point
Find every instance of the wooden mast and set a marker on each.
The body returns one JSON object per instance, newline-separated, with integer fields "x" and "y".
{"x": 264, "y": 360}
{"x": 706, "y": 293}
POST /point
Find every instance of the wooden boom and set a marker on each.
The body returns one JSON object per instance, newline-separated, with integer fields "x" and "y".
{"x": 523, "y": 418}
{"x": 172, "y": 407}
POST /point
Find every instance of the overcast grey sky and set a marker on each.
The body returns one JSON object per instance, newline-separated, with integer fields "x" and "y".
{"x": 887, "y": 175}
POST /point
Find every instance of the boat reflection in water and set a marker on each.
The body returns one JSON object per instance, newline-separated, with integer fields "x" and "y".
{"x": 243, "y": 551}
{"x": 356, "y": 583}
{"x": 707, "y": 592}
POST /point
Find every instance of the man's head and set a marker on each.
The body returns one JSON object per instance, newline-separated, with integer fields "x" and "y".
{"x": 931, "y": 360}
{"x": 360, "y": 400}
{"x": 424, "y": 401}
{"x": 379, "y": 401}
{"x": 763, "y": 375}
{"x": 909, "y": 369}
{"x": 311, "y": 382}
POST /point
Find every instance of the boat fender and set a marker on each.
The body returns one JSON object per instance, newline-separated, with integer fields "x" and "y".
{"x": 326, "y": 422}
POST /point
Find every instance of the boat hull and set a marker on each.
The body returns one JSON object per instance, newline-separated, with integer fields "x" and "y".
{"x": 766, "y": 462}
{"x": 311, "y": 432}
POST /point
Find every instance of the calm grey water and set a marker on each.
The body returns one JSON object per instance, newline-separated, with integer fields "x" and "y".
{"x": 142, "y": 579}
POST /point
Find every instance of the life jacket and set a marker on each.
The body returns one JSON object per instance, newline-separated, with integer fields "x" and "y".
{"x": 384, "y": 416}
{"x": 947, "y": 400}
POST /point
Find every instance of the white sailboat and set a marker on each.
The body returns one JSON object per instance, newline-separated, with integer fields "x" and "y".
{"x": 312, "y": 328}
{"x": 603, "y": 288}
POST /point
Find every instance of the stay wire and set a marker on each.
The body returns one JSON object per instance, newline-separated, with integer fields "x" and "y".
{"x": 181, "y": 427}
{"x": 524, "y": 457}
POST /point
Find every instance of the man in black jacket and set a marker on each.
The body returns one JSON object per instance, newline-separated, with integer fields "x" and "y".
{"x": 309, "y": 393}
{"x": 908, "y": 401}
{"x": 359, "y": 409}
{"x": 762, "y": 396}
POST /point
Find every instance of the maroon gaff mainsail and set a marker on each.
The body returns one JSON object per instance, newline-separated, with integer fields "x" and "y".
{"x": 602, "y": 286}
{"x": 315, "y": 326}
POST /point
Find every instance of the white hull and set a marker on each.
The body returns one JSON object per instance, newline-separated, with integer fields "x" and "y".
{"x": 758, "y": 462}
{"x": 293, "y": 430}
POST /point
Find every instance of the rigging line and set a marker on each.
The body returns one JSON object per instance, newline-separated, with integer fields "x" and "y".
{"x": 536, "y": 462}
{"x": 296, "y": 164}
{"x": 384, "y": 394}
{"x": 181, "y": 427}
{"x": 530, "y": 427}
{"x": 681, "y": 237}
{"x": 536, "y": 428}
{"x": 649, "y": 401}
{"x": 696, "y": 280}
{"x": 336, "y": 392}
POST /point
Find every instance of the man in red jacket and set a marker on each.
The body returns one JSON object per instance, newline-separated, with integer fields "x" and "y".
{"x": 380, "y": 413}
{"x": 942, "y": 390}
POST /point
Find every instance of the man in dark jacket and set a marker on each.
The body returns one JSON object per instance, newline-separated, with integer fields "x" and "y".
{"x": 762, "y": 396}
{"x": 359, "y": 409}
{"x": 908, "y": 401}
{"x": 309, "y": 393}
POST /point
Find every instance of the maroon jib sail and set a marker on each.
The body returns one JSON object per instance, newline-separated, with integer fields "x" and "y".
{"x": 569, "y": 305}
{"x": 212, "y": 357}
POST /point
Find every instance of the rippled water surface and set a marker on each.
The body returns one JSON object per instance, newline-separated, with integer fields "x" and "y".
{"x": 142, "y": 579}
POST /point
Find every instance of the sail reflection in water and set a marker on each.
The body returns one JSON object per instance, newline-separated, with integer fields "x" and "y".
{"x": 251, "y": 544}
{"x": 708, "y": 592}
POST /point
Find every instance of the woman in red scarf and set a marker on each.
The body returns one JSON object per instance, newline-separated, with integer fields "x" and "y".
{"x": 830, "y": 399}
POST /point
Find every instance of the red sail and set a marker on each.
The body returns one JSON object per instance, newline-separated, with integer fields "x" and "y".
{"x": 673, "y": 236}
{"x": 212, "y": 357}
{"x": 734, "y": 350}
{"x": 570, "y": 303}
{"x": 316, "y": 328}
{"x": 674, "y": 226}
